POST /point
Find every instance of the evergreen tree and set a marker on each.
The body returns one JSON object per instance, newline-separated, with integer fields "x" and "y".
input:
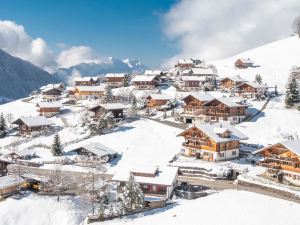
{"x": 132, "y": 195}
{"x": 258, "y": 78}
{"x": 292, "y": 93}
{"x": 127, "y": 79}
{"x": 133, "y": 109}
{"x": 102, "y": 125}
{"x": 56, "y": 147}
{"x": 108, "y": 94}
{"x": 3, "y": 126}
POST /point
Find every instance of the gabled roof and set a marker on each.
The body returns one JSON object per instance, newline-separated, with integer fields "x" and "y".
{"x": 51, "y": 89}
{"x": 91, "y": 88}
{"x": 34, "y": 121}
{"x": 165, "y": 175}
{"x": 98, "y": 149}
{"x": 9, "y": 181}
{"x": 193, "y": 78}
{"x": 203, "y": 71}
{"x": 227, "y": 101}
{"x": 235, "y": 79}
{"x": 253, "y": 84}
{"x": 210, "y": 131}
{"x": 77, "y": 79}
{"x": 142, "y": 78}
{"x": 185, "y": 61}
{"x": 292, "y": 145}
{"x": 153, "y": 72}
{"x": 160, "y": 97}
{"x": 113, "y": 106}
{"x": 118, "y": 75}
{"x": 201, "y": 97}
{"x": 246, "y": 61}
{"x": 48, "y": 104}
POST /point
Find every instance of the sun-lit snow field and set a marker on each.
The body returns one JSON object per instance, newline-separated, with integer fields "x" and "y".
{"x": 275, "y": 61}
{"x": 229, "y": 207}
{"x": 38, "y": 210}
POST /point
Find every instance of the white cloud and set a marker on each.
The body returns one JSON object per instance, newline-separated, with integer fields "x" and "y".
{"x": 15, "y": 41}
{"x": 76, "y": 55}
{"x": 213, "y": 29}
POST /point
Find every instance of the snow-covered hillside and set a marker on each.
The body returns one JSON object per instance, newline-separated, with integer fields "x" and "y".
{"x": 274, "y": 60}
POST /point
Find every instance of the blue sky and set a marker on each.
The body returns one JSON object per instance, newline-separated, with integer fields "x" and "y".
{"x": 119, "y": 28}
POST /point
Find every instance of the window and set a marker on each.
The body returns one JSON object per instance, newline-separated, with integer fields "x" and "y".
{"x": 222, "y": 154}
{"x": 154, "y": 188}
{"x": 233, "y": 153}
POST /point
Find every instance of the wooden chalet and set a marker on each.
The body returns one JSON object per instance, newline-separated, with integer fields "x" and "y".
{"x": 97, "y": 151}
{"x": 59, "y": 86}
{"x": 223, "y": 109}
{"x": 212, "y": 142}
{"x": 193, "y": 83}
{"x": 88, "y": 92}
{"x": 117, "y": 110}
{"x": 282, "y": 161}
{"x": 243, "y": 63}
{"x": 48, "y": 109}
{"x": 193, "y": 104}
{"x": 158, "y": 101}
{"x": 145, "y": 82}
{"x": 115, "y": 80}
{"x": 86, "y": 81}
{"x": 229, "y": 83}
{"x": 250, "y": 90}
{"x": 71, "y": 92}
{"x": 32, "y": 124}
{"x": 184, "y": 64}
{"x": 154, "y": 181}
{"x": 51, "y": 94}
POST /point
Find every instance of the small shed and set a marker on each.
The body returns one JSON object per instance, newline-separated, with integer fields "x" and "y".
{"x": 9, "y": 185}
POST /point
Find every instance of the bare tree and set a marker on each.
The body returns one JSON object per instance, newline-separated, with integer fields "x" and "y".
{"x": 18, "y": 171}
{"x": 58, "y": 182}
{"x": 296, "y": 26}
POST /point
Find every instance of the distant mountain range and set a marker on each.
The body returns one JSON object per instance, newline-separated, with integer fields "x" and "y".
{"x": 110, "y": 65}
{"x": 18, "y": 78}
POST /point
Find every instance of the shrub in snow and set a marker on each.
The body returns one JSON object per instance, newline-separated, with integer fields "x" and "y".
{"x": 56, "y": 147}
{"x": 133, "y": 196}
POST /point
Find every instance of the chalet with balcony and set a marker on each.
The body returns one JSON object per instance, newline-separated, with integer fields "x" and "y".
{"x": 86, "y": 81}
{"x": 115, "y": 80}
{"x": 117, "y": 110}
{"x": 193, "y": 83}
{"x": 250, "y": 90}
{"x": 89, "y": 92}
{"x": 154, "y": 181}
{"x": 145, "y": 82}
{"x": 51, "y": 94}
{"x": 32, "y": 124}
{"x": 193, "y": 105}
{"x": 158, "y": 101}
{"x": 282, "y": 161}
{"x": 229, "y": 83}
{"x": 48, "y": 109}
{"x": 243, "y": 63}
{"x": 224, "y": 109}
{"x": 212, "y": 142}
{"x": 184, "y": 64}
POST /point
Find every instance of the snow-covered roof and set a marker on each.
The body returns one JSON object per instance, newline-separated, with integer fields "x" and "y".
{"x": 293, "y": 145}
{"x": 8, "y": 181}
{"x": 160, "y": 97}
{"x": 165, "y": 175}
{"x": 142, "y": 78}
{"x": 227, "y": 101}
{"x": 185, "y": 61}
{"x": 48, "y": 104}
{"x": 113, "y": 106}
{"x": 235, "y": 79}
{"x": 91, "y": 88}
{"x": 193, "y": 78}
{"x": 70, "y": 88}
{"x": 119, "y": 75}
{"x": 98, "y": 149}
{"x": 56, "y": 86}
{"x": 153, "y": 72}
{"x": 253, "y": 84}
{"x": 78, "y": 79}
{"x": 246, "y": 61}
{"x": 210, "y": 130}
{"x": 203, "y": 71}
{"x": 34, "y": 121}
{"x": 220, "y": 130}
{"x": 201, "y": 97}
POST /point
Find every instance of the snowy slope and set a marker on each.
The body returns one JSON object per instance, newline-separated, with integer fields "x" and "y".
{"x": 275, "y": 61}
{"x": 224, "y": 208}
